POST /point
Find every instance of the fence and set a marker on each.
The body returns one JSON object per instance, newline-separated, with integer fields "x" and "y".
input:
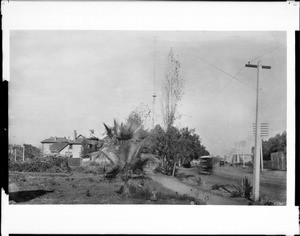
{"x": 74, "y": 161}
{"x": 277, "y": 162}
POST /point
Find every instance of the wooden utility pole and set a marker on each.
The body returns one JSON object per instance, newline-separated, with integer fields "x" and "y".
{"x": 256, "y": 170}
{"x": 261, "y": 155}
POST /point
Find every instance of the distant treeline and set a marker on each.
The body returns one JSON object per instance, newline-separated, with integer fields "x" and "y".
{"x": 16, "y": 152}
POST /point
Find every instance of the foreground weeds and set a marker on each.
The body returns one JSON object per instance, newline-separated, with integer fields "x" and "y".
{"x": 47, "y": 164}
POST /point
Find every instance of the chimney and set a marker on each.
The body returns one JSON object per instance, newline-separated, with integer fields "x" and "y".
{"x": 75, "y": 135}
{"x": 55, "y": 139}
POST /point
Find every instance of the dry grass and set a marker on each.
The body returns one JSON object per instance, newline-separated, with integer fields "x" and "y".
{"x": 87, "y": 188}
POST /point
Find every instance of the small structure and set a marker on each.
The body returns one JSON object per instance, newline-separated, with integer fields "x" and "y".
{"x": 278, "y": 161}
{"x": 239, "y": 159}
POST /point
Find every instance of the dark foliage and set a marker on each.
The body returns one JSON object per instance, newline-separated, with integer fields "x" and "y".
{"x": 47, "y": 164}
{"x": 174, "y": 144}
{"x": 30, "y": 152}
{"x": 166, "y": 168}
{"x": 186, "y": 164}
{"x": 274, "y": 144}
{"x": 243, "y": 189}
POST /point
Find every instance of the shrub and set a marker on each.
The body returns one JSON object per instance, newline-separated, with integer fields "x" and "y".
{"x": 243, "y": 188}
{"x": 198, "y": 181}
{"x": 94, "y": 163}
{"x": 216, "y": 186}
{"x": 186, "y": 164}
{"x": 47, "y": 164}
{"x": 138, "y": 165}
{"x": 88, "y": 193}
{"x": 166, "y": 168}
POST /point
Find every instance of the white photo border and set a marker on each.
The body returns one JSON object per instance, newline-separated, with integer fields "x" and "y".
{"x": 148, "y": 219}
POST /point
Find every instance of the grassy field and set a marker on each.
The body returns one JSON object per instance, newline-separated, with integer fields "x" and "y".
{"x": 86, "y": 187}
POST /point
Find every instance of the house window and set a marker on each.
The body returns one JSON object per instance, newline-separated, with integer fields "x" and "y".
{"x": 71, "y": 147}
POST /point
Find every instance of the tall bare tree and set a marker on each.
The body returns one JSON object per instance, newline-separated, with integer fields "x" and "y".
{"x": 172, "y": 90}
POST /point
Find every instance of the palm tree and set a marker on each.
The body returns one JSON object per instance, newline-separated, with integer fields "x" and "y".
{"x": 126, "y": 142}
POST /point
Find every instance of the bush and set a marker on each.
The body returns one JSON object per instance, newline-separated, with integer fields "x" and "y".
{"x": 243, "y": 189}
{"x": 166, "y": 168}
{"x": 138, "y": 192}
{"x": 186, "y": 164}
{"x": 94, "y": 163}
{"x": 138, "y": 165}
{"x": 47, "y": 164}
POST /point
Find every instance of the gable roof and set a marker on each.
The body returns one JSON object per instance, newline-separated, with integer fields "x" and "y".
{"x": 56, "y": 140}
{"x": 57, "y": 147}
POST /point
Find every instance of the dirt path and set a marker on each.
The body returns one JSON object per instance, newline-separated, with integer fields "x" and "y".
{"x": 182, "y": 188}
{"x": 272, "y": 183}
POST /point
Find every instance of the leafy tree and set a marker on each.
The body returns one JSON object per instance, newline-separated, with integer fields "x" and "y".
{"x": 174, "y": 145}
{"x": 140, "y": 116}
{"x": 32, "y": 152}
{"x": 127, "y": 140}
{"x": 172, "y": 90}
{"x": 274, "y": 144}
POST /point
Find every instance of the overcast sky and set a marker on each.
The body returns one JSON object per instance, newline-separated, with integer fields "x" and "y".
{"x": 66, "y": 80}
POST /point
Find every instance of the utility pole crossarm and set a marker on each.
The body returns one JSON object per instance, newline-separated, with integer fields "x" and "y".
{"x": 255, "y": 66}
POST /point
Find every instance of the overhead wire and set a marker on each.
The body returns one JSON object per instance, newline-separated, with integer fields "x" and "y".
{"x": 227, "y": 73}
{"x": 265, "y": 54}
{"x": 220, "y": 90}
{"x": 234, "y": 77}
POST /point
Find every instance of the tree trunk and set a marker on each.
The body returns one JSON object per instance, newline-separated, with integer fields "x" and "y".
{"x": 174, "y": 168}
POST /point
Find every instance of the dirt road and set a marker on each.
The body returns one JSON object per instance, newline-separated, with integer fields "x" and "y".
{"x": 272, "y": 183}
{"x": 194, "y": 191}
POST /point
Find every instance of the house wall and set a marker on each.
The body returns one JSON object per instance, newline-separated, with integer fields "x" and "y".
{"x": 75, "y": 151}
{"x": 66, "y": 151}
{"x": 46, "y": 148}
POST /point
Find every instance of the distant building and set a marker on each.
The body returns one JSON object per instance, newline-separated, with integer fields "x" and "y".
{"x": 239, "y": 159}
{"x": 66, "y": 147}
{"x": 54, "y": 145}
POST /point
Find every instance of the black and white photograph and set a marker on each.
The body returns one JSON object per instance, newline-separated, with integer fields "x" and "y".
{"x": 157, "y": 117}
{"x": 133, "y": 117}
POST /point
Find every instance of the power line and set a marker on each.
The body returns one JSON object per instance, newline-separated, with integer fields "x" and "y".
{"x": 264, "y": 54}
{"x": 227, "y": 74}
{"x": 219, "y": 91}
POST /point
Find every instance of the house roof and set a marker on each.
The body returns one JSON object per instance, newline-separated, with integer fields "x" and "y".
{"x": 57, "y": 147}
{"x": 76, "y": 142}
{"x": 56, "y": 140}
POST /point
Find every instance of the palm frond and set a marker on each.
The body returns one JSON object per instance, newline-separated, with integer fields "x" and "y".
{"x": 108, "y": 131}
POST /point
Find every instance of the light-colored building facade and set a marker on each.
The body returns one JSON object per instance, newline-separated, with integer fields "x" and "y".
{"x": 63, "y": 146}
